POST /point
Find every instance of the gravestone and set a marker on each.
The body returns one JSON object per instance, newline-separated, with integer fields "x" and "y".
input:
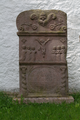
{"x": 42, "y": 55}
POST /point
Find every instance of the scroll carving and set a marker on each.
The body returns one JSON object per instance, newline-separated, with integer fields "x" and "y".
{"x": 43, "y": 18}
{"x": 63, "y": 28}
{"x": 52, "y": 26}
{"x": 53, "y": 20}
{"x": 26, "y": 27}
{"x": 56, "y": 26}
{"x": 33, "y": 16}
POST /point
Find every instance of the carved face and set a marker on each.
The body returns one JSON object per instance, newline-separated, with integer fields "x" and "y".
{"x": 43, "y": 16}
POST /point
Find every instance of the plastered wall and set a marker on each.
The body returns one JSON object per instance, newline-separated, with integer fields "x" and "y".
{"x": 9, "y": 41}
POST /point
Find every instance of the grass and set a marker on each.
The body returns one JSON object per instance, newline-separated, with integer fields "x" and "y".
{"x": 10, "y": 110}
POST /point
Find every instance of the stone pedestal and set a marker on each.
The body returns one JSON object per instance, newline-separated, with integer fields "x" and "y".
{"x": 49, "y": 100}
{"x": 57, "y": 100}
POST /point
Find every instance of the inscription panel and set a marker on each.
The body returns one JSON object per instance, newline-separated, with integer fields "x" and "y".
{"x": 43, "y": 80}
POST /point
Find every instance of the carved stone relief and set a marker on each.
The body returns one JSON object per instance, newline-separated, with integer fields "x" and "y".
{"x": 43, "y": 18}
{"x": 54, "y": 53}
{"x": 24, "y": 40}
{"x": 63, "y": 53}
{"x": 63, "y": 79}
{"x": 43, "y": 46}
{"x": 44, "y": 79}
{"x": 59, "y": 53}
{"x": 35, "y": 20}
{"x": 42, "y": 43}
{"x": 23, "y": 53}
{"x": 28, "y": 53}
{"x": 26, "y": 27}
{"x": 62, "y": 40}
{"x": 24, "y": 82}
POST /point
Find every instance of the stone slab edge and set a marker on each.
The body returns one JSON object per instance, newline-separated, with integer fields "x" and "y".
{"x": 68, "y": 99}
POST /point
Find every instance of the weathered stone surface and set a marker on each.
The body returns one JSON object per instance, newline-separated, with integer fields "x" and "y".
{"x": 42, "y": 52}
{"x": 38, "y": 20}
{"x": 46, "y": 100}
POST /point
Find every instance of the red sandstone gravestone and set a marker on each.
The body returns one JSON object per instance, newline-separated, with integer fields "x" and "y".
{"x": 42, "y": 52}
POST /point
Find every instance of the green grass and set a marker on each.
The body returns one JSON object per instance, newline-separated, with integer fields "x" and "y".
{"x": 33, "y": 111}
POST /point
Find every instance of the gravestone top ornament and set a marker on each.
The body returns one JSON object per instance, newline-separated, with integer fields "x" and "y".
{"x": 42, "y": 55}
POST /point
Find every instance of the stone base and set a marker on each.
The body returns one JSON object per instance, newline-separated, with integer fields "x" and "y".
{"x": 67, "y": 99}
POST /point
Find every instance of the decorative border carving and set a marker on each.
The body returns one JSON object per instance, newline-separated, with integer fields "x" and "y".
{"x": 25, "y": 27}
{"x": 63, "y": 79}
{"x": 43, "y": 18}
{"x": 34, "y": 27}
{"x": 50, "y": 33}
{"x": 24, "y": 82}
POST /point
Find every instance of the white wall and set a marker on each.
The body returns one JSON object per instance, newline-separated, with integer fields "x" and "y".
{"x": 9, "y": 41}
